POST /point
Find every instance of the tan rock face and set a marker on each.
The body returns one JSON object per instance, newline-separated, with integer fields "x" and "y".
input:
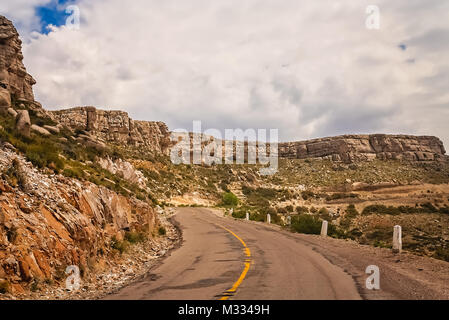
{"x": 13, "y": 75}
{"x": 350, "y": 148}
{"x": 116, "y": 127}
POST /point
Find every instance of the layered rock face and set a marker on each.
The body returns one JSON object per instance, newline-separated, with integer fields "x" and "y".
{"x": 14, "y": 78}
{"x": 350, "y": 148}
{"x": 116, "y": 127}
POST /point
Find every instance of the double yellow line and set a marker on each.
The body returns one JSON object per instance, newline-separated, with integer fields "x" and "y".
{"x": 231, "y": 291}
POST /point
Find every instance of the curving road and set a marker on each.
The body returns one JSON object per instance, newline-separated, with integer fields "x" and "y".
{"x": 222, "y": 258}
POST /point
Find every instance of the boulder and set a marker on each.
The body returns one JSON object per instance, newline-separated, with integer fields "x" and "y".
{"x": 40, "y": 130}
{"x": 52, "y": 129}
{"x": 23, "y": 123}
{"x": 5, "y": 98}
{"x": 12, "y": 112}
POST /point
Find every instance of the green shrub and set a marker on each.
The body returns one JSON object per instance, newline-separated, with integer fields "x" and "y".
{"x": 230, "y": 199}
{"x": 289, "y": 208}
{"x": 305, "y": 223}
{"x": 324, "y": 214}
{"x": 239, "y": 214}
{"x": 350, "y": 213}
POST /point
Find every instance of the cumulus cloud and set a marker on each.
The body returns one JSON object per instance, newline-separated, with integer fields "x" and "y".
{"x": 309, "y": 68}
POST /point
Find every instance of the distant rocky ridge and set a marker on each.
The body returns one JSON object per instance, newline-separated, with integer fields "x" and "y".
{"x": 349, "y": 148}
{"x": 117, "y": 127}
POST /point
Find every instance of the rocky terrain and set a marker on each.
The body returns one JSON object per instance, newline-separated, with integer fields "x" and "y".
{"x": 92, "y": 188}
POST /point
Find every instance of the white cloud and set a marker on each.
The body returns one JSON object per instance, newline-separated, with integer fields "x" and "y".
{"x": 309, "y": 68}
{"x": 22, "y": 13}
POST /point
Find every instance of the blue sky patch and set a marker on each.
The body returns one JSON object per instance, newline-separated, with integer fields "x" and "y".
{"x": 53, "y": 13}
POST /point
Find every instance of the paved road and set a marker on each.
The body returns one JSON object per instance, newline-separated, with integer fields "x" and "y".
{"x": 221, "y": 258}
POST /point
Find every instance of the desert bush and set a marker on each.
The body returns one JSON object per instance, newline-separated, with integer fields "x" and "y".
{"x": 5, "y": 286}
{"x": 307, "y": 195}
{"x": 135, "y": 237}
{"x": 239, "y": 214}
{"x": 337, "y": 196}
{"x": 300, "y": 209}
{"x": 380, "y": 209}
{"x": 307, "y": 224}
{"x": 230, "y": 199}
{"x": 121, "y": 246}
{"x": 282, "y": 210}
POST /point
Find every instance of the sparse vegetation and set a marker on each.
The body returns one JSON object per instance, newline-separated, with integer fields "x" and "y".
{"x": 135, "y": 237}
{"x": 119, "y": 245}
{"x": 161, "y": 231}
{"x": 5, "y": 286}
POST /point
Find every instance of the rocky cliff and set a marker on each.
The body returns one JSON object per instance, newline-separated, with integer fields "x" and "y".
{"x": 350, "y": 148}
{"x": 14, "y": 79}
{"x": 116, "y": 127}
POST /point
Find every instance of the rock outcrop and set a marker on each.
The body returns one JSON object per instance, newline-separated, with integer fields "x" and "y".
{"x": 349, "y": 148}
{"x": 116, "y": 127}
{"x": 125, "y": 170}
{"x": 14, "y": 78}
{"x": 50, "y": 222}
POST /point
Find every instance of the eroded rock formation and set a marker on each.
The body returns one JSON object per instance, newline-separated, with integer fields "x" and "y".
{"x": 116, "y": 127}
{"x": 13, "y": 75}
{"x": 350, "y": 148}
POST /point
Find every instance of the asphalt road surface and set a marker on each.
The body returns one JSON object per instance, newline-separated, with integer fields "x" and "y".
{"x": 221, "y": 258}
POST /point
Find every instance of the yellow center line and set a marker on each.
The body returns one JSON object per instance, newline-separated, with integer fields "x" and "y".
{"x": 245, "y": 270}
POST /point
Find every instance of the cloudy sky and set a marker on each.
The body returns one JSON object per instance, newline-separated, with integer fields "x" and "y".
{"x": 308, "y": 67}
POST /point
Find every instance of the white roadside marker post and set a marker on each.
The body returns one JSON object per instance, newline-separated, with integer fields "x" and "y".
{"x": 289, "y": 220}
{"x": 247, "y": 216}
{"x": 268, "y": 218}
{"x": 324, "y": 228}
{"x": 397, "y": 239}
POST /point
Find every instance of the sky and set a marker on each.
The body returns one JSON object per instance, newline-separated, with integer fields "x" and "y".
{"x": 310, "y": 68}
